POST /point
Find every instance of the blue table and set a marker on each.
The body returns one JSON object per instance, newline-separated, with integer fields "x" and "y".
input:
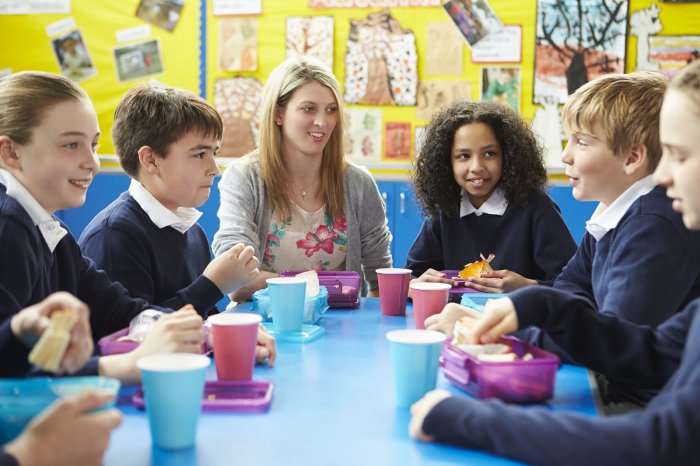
{"x": 333, "y": 404}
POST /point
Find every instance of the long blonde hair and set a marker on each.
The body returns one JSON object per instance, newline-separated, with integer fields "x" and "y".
{"x": 281, "y": 85}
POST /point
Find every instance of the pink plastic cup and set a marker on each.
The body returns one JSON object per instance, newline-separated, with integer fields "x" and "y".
{"x": 234, "y": 337}
{"x": 393, "y": 290}
{"x": 428, "y": 299}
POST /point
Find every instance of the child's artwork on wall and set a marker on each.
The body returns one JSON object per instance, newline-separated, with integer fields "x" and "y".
{"x": 547, "y": 126}
{"x": 326, "y": 4}
{"x": 446, "y": 50}
{"x": 364, "y": 142}
{"x": 504, "y": 46}
{"x": 381, "y": 66}
{"x": 72, "y": 56}
{"x": 162, "y": 13}
{"x": 577, "y": 41}
{"x": 418, "y": 139}
{"x": 673, "y": 53}
{"x": 138, "y": 60}
{"x": 433, "y": 95}
{"x": 501, "y": 84}
{"x": 311, "y": 36}
{"x": 238, "y": 101}
{"x": 475, "y": 19}
{"x": 645, "y": 23}
{"x": 238, "y": 44}
{"x": 397, "y": 141}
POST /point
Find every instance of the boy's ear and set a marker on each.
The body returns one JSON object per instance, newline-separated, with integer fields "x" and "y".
{"x": 637, "y": 159}
{"x": 148, "y": 160}
{"x": 8, "y": 153}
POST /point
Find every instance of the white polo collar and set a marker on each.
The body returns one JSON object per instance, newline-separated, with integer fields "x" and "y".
{"x": 496, "y": 204}
{"x": 160, "y": 215}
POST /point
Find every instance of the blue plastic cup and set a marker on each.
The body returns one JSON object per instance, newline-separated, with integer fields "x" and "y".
{"x": 415, "y": 357}
{"x": 287, "y": 301}
{"x": 173, "y": 386}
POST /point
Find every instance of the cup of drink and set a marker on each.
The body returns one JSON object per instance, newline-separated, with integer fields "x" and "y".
{"x": 287, "y": 301}
{"x": 393, "y": 290}
{"x": 415, "y": 358}
{"x": 234, "y": 336}
{"x": 173, "y": 386}
{"x": 428, "y": 299}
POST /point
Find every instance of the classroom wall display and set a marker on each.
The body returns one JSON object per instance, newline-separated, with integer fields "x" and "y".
{"x": 238, "y": 44}
{"x": 397, "y": 141}
{"x": 311, "y": 36}
{"x": 322, "y": 4}
{"x": 238, "y": 100}
{"x": 72, "y": 56}
{"x": 138, "y": 60}
{"x": 501, "y": 84}
{"x": 645, "y": 23}
{"x": 162, "y": 13}
{"x": 439, "y": 35}
{"x": 576, "y": 41}
{"x": 364, "y": 135}
{"x": 673, "y": 53}
{"x": 475, "y": 19}
{"x": 435, "y": 94}
{"x": 381, "y": 62}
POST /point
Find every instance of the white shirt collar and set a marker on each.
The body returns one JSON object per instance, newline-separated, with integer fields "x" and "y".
{"x": 160, "y": 215}
{"x": 50, "y": 228}
{"x": 496, "y": 204}
{"x": 605, "y": 218}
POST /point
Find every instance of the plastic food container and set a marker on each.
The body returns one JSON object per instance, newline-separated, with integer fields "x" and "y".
{"x": 513, "y": 382}
{"x": 459, "y": 290}
{"x": 109, "y": 344}
{"x": 343, "y": 287}
{"x": 478, "y": 300}
{"x": 22, "y": 399}
{"x": 229, "y": 395}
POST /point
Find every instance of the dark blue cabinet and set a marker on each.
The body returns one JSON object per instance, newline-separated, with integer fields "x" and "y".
{"x": 404, "y": 217}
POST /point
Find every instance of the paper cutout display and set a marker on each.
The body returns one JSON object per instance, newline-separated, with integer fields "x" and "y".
{"x": 446, "y": 50}
{"x": 577, "y": 41}
{"x": 475, "y": 19}
{"x": 673, "y": 53}
{"x": 418, "y": 139}
{"x": 162, "y": 13}
{"x": 238, "y": 44}
{"x": 238, "y": 101}
{"x": 311, "y": 36}
{"x": 364, "y": 143}
{"x": 645, "y": 23}
{"x": 397, "y": 141}
{"x": 327, "y": 4}
{"x": 72, "y": 56}
{"x": 138, "y": 60}
{"x": 504, "y": 46}
{"x": 547, "y": 125}
{"x": 381, "y": 62}
{"x": 501, "y": 84}
{"x": 433, "y": 95}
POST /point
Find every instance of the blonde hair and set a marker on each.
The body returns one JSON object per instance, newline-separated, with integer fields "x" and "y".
{"x": 25, "y": 97}
{"x": 279, "y": 89}
{"x": 627, "y": 106}
{"x": 688, "y": 82}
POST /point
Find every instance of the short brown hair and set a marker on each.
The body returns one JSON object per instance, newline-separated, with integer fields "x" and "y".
{"x": 688, "y": 82}
{"x": 627, "y": 106}
{"x": 25, "y": 97}
{"x": 157, "y": 116}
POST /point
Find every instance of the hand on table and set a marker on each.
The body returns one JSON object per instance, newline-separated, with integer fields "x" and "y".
{"x": 421, "y": 409}
{"x": 431, "y": 275}
{"x": 500, "y": 281}
{"x": 246, "y": 292}
{"x": 266, "y": 347}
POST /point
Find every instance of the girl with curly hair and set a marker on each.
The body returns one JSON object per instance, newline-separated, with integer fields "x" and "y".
{"x": 480, "y": 180}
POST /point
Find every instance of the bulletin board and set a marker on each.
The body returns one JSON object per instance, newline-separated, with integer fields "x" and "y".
{"x": 190, "y": 52}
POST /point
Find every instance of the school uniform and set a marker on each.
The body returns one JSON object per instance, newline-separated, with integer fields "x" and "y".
{"x": 14, "y": 353}
{"x": 665, "y": 432}
{"x": 530, "y": 239}
{"x": 156, "y": 254}
{"x": 39, "y": 257}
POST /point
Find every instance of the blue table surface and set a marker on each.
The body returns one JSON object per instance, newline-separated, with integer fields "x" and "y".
{"x": 333, "y": 404}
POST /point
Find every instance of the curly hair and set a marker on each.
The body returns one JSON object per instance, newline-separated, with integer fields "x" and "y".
{"x": 523, "y": 166}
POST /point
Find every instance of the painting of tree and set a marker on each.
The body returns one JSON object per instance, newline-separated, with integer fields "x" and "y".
{"x": 577, "y": 40}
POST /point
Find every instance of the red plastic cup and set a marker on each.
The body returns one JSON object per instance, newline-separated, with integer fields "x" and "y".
{"x": 428, "y": 299}
{"x": 234, "y": 335}
{"x": 393, "y": 290}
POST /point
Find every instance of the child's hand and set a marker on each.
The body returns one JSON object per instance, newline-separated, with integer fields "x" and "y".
{"x": 499, "y": 281}
{"x": 233, "y": 269}
{"x": 445, "y": 321}
{"x": 420, "y": 411}
{"x": 266, "y": 347}
{"x": 31, "y": 322}
{"x": 499, "y": 318}
{"x": 178, "y": 332}
{"x": 431, "y": 275}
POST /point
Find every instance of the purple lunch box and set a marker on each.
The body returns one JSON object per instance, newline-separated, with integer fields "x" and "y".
{"x": 513, "y": 382}
{"x": 343, "y": 287}
{"x": 231, "y": 395}
{"x": 109, "y": 344}
{"x": 459, "y": 289}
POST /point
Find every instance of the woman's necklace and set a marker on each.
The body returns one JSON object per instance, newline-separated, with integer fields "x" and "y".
{"x": 302, "y": 190}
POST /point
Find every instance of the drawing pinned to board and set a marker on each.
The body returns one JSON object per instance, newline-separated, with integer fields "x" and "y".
{"x": 577, "y": 41}
{"x": 501, "y": 84}
{"x": 435, "y": 94}
{"x": 645, "y": 23}
{"x": 397, "y": 141}
{"x": 138, "y": 60}
{"x": 364, "y": 143}
{"x": 673, "y": 53}
{"x": 446, "y": 47}
{"x": 475, "y": 19}
{"x": 311, "y": 36}
{"x": 162, "y": 13}
{"x": 547, "y": 126}
{"x": 72, "y": 56}
{"x": 418, "y": 139}
{"x": 238, "y": 101}
{"x": 381, "y": 66}
{"x": 238, "y": 44}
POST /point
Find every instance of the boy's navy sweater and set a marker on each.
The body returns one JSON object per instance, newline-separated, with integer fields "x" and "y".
{"x": 665, "y": 432}
{"x": 530, "y": 239}
{"x": 29, "y": 272}
{"x": 160, "y": 265}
